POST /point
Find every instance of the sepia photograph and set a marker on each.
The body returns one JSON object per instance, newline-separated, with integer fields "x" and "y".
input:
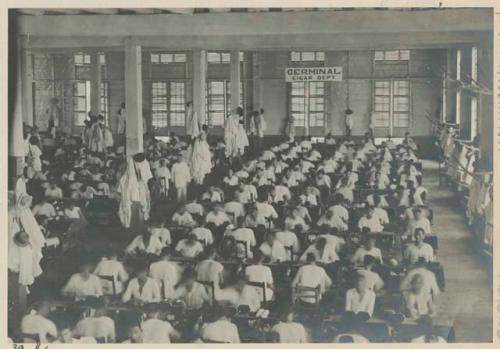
{"x": 249, "y": 175}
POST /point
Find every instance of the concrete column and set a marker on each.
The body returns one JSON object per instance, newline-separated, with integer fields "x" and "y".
{"x": 27, "y": 86}
{"x": 133, "y": 97}
{"x": 199, "y": 83}
{"x": 257, "y": 81}
{"x": 16, "y": 139}
{"x": 459, "y": 92}
{"x": 95, "y": 84}
{"x": 235, "y": 75}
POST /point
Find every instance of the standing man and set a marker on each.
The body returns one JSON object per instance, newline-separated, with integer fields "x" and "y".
{"x": 54, "y": 113}
{"x": 121, "y": 121}
{"x": 231, "y": 132}
{"x": 349, "y": 122}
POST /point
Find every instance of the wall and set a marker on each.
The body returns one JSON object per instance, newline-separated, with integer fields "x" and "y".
{"x": 355, "y": 93}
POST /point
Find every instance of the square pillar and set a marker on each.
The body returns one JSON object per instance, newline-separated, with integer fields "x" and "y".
{"x": 459, "y": 91}
{"x": 235, "y": 76}
{"x": 16, "y": 139}
{"x": 257, "y": 81}
{"x": 95, "y": 84}
{"x": 199, "y": 83}
{"x": 27, "y": 86}
{"x": 133, "y": 97}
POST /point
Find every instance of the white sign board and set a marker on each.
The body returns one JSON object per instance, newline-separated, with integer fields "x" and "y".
{"x": 313, "y": 74}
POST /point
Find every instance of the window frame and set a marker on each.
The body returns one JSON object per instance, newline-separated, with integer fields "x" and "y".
{"x": 168, "y": 110}
{"x": 393, "y": 120}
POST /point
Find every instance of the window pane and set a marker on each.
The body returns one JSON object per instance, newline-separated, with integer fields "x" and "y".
{"x": 86, "y": 59}
{"x": 401, "y": 120}
{"x": 299, "y": 119}
{"x": 308, "y": 56}
{"x": 213, "y": 57}
{"x": 166, "y": 58}
{"x": 155, "y": 58}
{"x": 320, "y": 56}
{"x": 102, "y": 59}
{"x": 379, "y": 55}
{"x": 180, "y": 57}
{"x": 404, "y": 55}
{"x": 295, "y": 56}
{"x": 381, "y": 119}
{"x": 226, "y": 57}
{"x": 401, "y": 104}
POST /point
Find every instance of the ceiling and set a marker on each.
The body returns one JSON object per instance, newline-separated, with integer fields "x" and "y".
{"x": 150, "y": 11}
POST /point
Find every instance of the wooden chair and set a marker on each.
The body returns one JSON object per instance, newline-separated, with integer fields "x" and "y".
{"x": 297, "y": 292}
{"x": 111, "y": 279}
{"x": 261, "y": 285}
{"x": 211, "y": 285}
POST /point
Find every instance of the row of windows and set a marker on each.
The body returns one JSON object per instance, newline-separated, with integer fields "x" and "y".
{"x": 295, "y": 56}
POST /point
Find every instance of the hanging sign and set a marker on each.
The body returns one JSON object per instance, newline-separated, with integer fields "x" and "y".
{"x": 313, "y": 74}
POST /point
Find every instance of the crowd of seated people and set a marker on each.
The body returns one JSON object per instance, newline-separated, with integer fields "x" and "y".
{"x": 267, "y": 248}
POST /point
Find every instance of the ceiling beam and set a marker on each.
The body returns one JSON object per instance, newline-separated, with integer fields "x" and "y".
{"x": 312, "y": 22}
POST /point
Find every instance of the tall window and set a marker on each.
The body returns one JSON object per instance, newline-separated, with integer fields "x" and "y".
{"x": 81, "y": 102}
{"x": 82, "y": 88}
{"x": 307, "y": 104}
{"x": 104, "y": 95}
{"x": 307, "y": 99}
{"x": 218, "y": 102}
{"x": 168, "y": 104}
{"x": 391, "y": 104}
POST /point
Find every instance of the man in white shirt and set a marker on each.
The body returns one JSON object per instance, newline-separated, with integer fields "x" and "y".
{"x": 44, "y": 208}
{"x": 111, "y": 266}
{"x": 373, "y": 280}
{"x": 419, "y": 249}
{"x": 311, "y": 275}
{"x": 258, "y": 272}
{"x": 166, "y": 273}
{"x": 217, "y": 217}
{"x": 209, "y": 269}
{"x": 155, "y": 330}
{"x": 240, "y": 294}
{"x": 182, "y": 217}
{"x": 288, "y": 330}
{"x": 429, "y": 278}
{"x": 245, "y": 235}
{"x": 235, "y": 208}
{"x": 193, "y": 293}
{"x": 97, "y": 326}
{"x": 83, "y": 284}
{"x": 222, "y": 330}
{"x": 190, "y": 247}
{"x": 371, "y": 222}
{"x": 289, "y": 240}
{"x": 418, "y": 222}
{"x": 360, "y": 299}
{"x": 142, "y": 289}
{"x": 331, "y": 220}
{"x": 145, "y": 243}
{"x": 273, "y": 249}
{"x": 203, "y": 234}
{"x": 368, "y": 248}
{"x": 36, "y": 323}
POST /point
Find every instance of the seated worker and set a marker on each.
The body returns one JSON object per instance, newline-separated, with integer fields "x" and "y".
{"x": 266, "y": 210}
{"x": 235, "y": 208}
{"x": 44, "y": 208}
{"x": 192, "y": 293}
{"x": 221, "y": 330}
{"x": 37, "y": 323}
{"x": 71, "y": 211}
{"x": 281, "y": 193}
{"x": 323, "y": 252}
{"x": 418, "y": 249}
{"x": 245, "y": 235}
{"x": 331, "y": 220}
{"x": 322, "y": 180}
{"x": 209, "y": 269}
{"x": 368, "y": 220}
{"x": 240, "y": 294}
{"x": 213, "y": 194}
{"x": 368, "y": 248}
{"x": 204, "y": 235}
{"x": 254, "y": 219}
{"x": 418, "y": 222}
{"x": 217, "y": 216}
{"x": 418, "y": 302}
{"x": 142, "y": 289}
{"x": 248, "y": 192}
{"x": 183, "y": 217}
{"x": 373, "y": 280}
{"x": 66, "y": 336}
{"x": 339, "y": 209}
{"x": 429, "y": 278}
{"x": 111, "y": 266}
{"x": 273, "y": 249}
{"x": 311, "y": 275}
{"x": 165, "y": 273}
{"x": 83, "y": 284}
{"x": 288, "y": 330}
{"x": 145, "y": 243}
{"x": 163, "y": 234}
{"x": 195, "y": 209}
{"x": 53, "y": 192}
{"x": 360, "y": 300}
{"x": 294, "y": 222}
{"x": 189, "y": 247}
{"x": 155, "y": 330}
{"x": 98, "y": 325}
{"x": 289, "y": 240}
{"x": 344, "y": 190}
{"x": 257, "y": 272}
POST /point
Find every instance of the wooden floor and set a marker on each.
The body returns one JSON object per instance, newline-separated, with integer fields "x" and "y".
{"x": 468, "y": 297}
